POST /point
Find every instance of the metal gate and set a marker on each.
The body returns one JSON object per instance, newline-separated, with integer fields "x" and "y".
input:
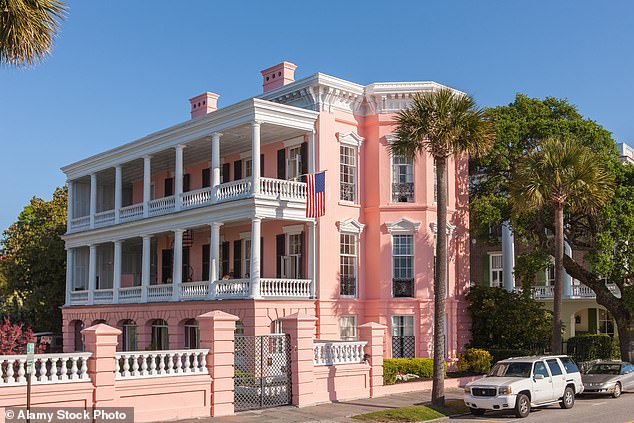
{"x": 262, "y": 376}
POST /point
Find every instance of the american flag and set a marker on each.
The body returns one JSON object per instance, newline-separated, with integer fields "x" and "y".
{"x": 316, "y": 204}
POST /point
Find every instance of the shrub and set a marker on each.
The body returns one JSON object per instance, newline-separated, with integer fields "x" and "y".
{"x": 422, "y": 367}
{"x": 593, "y": 347}
{"x": 504, "y": 353}
{"x": 475, "y": 360}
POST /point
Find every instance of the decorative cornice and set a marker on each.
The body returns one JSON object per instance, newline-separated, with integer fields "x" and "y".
{"x": 350, "y": 138}
{"x": 403, "y": 226}
{"x": 351, "y": 226}
{"x": 450, "y": 228}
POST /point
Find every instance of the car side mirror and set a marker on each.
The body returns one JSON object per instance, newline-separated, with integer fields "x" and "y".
{"x": 538, "y": 376}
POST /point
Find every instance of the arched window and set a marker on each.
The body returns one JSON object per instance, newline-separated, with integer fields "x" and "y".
{"x": 160, "y": 337}
{"x": 192, "y": 335}
{"x": 77, "y": 336}
{"x": 129, "y": 335}
{"x": 239, "y": 328}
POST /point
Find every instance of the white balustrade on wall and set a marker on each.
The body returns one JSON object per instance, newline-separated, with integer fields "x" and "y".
{"x": 160, "y": 292}
{"x": 232, "y": 288}
{"x": 104, "y": 218}
{"x": 233, "y": 190}
{"x": 130, "y": 294}
{"x": 80, "y": 222}
{"x": 282, "y": 189}
{"x": 295, "y": 288}
{"x": 134, "y": 211}
{"x": 328, "y": 353}
{"x": 199, "y": 197}
{"x": 143, "y": 364}
{"x": 48, "y": 368}
{"x": 162, "y": 205}
{"x": 194, "y": 290}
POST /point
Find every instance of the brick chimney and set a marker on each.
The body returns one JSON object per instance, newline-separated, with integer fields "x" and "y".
{"x": 278, "y": 76}
{"x": 204, "y": 103}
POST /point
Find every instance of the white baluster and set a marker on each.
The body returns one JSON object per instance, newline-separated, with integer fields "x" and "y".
{"x": 10, "y": 371}
{"x": 21, "y": 370}
{"x": 135, "y": 365}
{"x": 126, "y": 365}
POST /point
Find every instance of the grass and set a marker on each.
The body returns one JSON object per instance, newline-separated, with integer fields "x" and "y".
{"x": 415, "y": 413}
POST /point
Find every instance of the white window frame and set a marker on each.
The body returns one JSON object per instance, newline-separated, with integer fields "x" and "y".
{"x": 551, "y": 268}
{"x": 351, "y": 152}
{"x": 499, "y": 271}
{"x": 246, "y": 255}
{"x": 392, "y": 164}
{"x": 405, "y": 318}
{"x": 355, "y": 141}
{"x": 248, "y": 167}
{"x": 413, "y": 258}
{"x": 289, "y": 231}
{"x": 293, "y": 167}
{"x": 348, "y": 318}
{"x": 355, "y": 243}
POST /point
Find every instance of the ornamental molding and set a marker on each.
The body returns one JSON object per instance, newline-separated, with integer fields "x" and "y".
{"x": 351, "y": 226}
{"x": 350, "y": 138}
{"x": 403, "y": 226}
{"x": 450, "y": 228}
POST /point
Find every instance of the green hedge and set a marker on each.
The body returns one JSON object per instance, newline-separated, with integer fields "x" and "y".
{"x": 504, "y": 353}
{"x": 593, "y": 347}
{"x": 423, "y": 367}
{"x": 475, "y": 360}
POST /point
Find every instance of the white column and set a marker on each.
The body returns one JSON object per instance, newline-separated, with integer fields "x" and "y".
{"x": 147, "y": 184}
{"x": 214, "y": 258}
{"x": 215, "y": 159}
{"x": 178, "y": 179}
{"x": 255, "y": 159}
{"x": 311, "y": 259}
{"x": 118, "y": 188}
{"x": 92, "y": 274}
{"x": 508, "y": 256}
{"x": 70, "y": 209}
{"x": 70, "y": 269}
{"x": 567, "y": 279}
{"x": 255, "y": 255}
{"x": 116, "y": 279}
{"x": 145, "y": 266}
{"x": 177, "y": 270}
{"x": 93, "y": 198}
{"x": 311, "y": 152}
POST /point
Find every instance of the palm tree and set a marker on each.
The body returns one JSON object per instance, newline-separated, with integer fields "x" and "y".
{"x": 443, "y": 123}
{"x": 560, "y": 174}
{"x": 27, "y": 30}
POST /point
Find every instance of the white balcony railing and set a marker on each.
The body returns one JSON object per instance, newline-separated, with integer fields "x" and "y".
{"x": 196, "y": 198}
{"x": 194, "y": 290}
{"x": 162, "y": 292}
{"x": 162, "y": 205}
{"x": 80, "y": 222}
{"x": 232, "y": 288}
{"x": 103, "y": 296}
{"x": 143, "y": 364}
{"x": 282, "y": 189}
{"x": 328, "y": 353}
{"x": 134, "y": 211}
{"x": 104, "y": 218}
{"x": 577, "y": 291}
{"x": 234, "y": 190}
{"x": 131, "y": 294}
{"x": 296, "y": 288}
{"x": 79, "y": 297}
{"x": 48, "y": 368}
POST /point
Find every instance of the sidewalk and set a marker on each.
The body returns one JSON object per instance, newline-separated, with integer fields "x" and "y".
{"x": 331, "y": 412}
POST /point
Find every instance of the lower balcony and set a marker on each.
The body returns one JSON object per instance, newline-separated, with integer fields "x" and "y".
{"x": 226, "y": 289}
{"x": 577, "y": 291}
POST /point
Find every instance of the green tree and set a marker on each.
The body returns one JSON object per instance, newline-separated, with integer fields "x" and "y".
{"x": 607, "y": 237}
{"x": 34, "y": 264}
{"x": 560, "y": 174}
{"x": 445, "y": 124}
{"x": 27, "y": 30}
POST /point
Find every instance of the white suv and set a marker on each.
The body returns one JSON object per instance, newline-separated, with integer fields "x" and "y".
{"x": 524, "y": 382}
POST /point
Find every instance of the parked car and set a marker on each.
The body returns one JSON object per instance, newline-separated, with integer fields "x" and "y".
{"x": 51, "y": 342}
{"x": 609, "y": 377}
{"x": 523, "y": 382}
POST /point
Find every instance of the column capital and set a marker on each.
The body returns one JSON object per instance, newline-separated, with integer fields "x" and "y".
{"x": 216, "y": 224}
{"x": 146, "y": 236}
{"x": 92, "y": 246}
{"x": 118, "y": 241}
{"x": 147, "y": 156}
{"x": 216, "y": 135}
{"x": 179, "y": 147}
{"x": 256, "y": 124}
{"x": 118, "y": 166}
{"x": 179, "y": 231}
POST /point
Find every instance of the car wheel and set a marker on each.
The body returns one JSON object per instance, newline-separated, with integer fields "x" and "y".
{"x": 477, "y": 411}
{"x": 568, "y": 400}
{"x": 522, "y": 406}
{"x": 617, "y": 390}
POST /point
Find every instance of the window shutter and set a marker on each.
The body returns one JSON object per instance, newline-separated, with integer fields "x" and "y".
{"x": 206, "y": 178}
{"x": 225, "y": 259}
{"x": 280, "y": 249}
{"x": 237, "y": 258}
{"x": 186, "y": 182}
{"x": 237, "y": 170}
{"x": 261, "y": 256}
{"x": 304, "y": 153}
{"x": 302, "y": 268}
{"x": 281, "y": 164}
{"x": 206, "y": 259}
{"x": 226, "y": 170}
{"x": 261, "y": 164}
{"x": 168, "y": 187}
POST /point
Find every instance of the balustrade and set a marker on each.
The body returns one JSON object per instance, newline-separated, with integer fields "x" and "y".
{"x": 160, "y": 292}
{"x": 47, "y": 368}
{"x": 162, "y": 205}
{"x": 194, "y": 290}
{"x": 233, "y": 190}
{"x": 328, "y": 353}
{"x": 199, "y": 197}
{"x": 296, "y": 288}
{"x": 232, "y": 288}
{"x": 143, "y": 364}
{"x": 134, "y": 211}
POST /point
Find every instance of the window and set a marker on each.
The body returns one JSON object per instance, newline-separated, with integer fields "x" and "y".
{"x": 294, "y": 163}
{"x": 205, "y": 261}
{"x": 553, "y": 365}
{"x": 496, "y": 273}
{"x": 403, "y": 339}
{"x": 550, "y": 275}
{"x": 348, "y": 328}
{"x": 606, "y": 323}
{"x": 403, "y": 265}
{"x": 292, "y": 263}
{"x": 248, "y": 168}
{"x": 540, "y": 369}
{"x": 206, "y": 176}
{"x": 78, "y": 338}
{"x": 129, "y": 336}
{"x": 80, "y": 276}
{"x": 247, "y": 258}
{"x": 160, "y": 337}
{"x": 402, "y": 179}
{"x": 348, "y": 265}
{"x": 569, "y": 365}
{"x": 192, "y": 335}
{"x": 348, "y": 173}
{"x": 277, "y": 326}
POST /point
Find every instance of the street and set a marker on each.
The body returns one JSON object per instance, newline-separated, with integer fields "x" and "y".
{"x": 590, "y": 409}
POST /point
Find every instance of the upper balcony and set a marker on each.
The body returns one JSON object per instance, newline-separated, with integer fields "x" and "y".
{"x": 199, "y": 163}
{"x": 578, "y": 291}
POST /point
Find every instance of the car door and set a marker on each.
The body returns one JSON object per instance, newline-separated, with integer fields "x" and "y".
{"x": 542, "y": 383}
{"x": 558, "y": 377}
{"x": 628, "y": 377}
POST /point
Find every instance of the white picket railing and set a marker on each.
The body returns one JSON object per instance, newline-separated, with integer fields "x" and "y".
{"x": 328, "y": 353}
{"x": 103, "y": 296}
{"x": 162, "y": 292}
{"x": 578, "y": 290}
{"x": 232, "y": 288}
{"x": 283, "y": 189}
{"x": 295, "y": 288}
{"x": 131, "y": 212}
{"x": 234, "y": 190}
{"x": 199, "y": 197}
{"x": 78, "y": 297}
{"x": 48, "y": 368}
{"x": 161, "y": 205}
{"x": 80, "y": 222}
{"x": 131, "y": 294}
{"x": 104, "y": 218}
{"x": 194, "y": 290}
{"x": 140, "y": 364}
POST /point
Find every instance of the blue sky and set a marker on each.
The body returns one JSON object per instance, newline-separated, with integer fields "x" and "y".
{"x": 123, "y": 69}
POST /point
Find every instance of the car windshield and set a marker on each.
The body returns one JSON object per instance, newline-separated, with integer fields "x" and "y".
{"x": 511, "y": 370}
{"x": 605, "y": 369}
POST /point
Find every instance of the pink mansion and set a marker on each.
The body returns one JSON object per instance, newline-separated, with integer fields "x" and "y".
{"x": 210, "y": 214}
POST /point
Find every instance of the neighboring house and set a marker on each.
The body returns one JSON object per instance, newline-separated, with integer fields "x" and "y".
{"x": 209, "y": 214}
{"x": 626, "y": 153}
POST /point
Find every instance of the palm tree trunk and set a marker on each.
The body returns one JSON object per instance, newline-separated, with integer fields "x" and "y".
{"x": 555, "y": 345}
{"x": 440, "y": 280}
